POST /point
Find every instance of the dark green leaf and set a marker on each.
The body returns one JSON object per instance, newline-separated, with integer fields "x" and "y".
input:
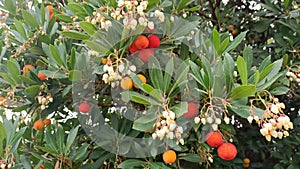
{"x": 88, "y": 27}
{"x": 56, "y": 55}
{"x": 243, "y": 91}
{"x": 75, "y": 35}
{"x": 75, "y": 75}
{"x": 236, "y": 41}
{"x": 242, "y": 69}
{"x": 131, "y": 163}
{"x": 29, "y": 19}
{"x": 194, "y": 158}
{"x": 32, "y": 90}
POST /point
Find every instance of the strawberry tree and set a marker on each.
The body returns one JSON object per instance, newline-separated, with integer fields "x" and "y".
{"x": 145, "y": 84}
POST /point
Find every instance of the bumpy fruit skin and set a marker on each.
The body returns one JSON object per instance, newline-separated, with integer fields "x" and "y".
{"x": 84, "y": 107}
{"x": 132, "y": 48}
{"x": 154, "y": 41}
{"x": 27, "y": 68}
{"x": 145, "y": 54}
{"x": 227, "y": 151}
{"x": 192, "y": 110}
{"x": 142, "y": 78}
{"x": 47, "y": 122}
{"x": 214, "y": 139}
{"x": 141, "y": 42}
{"x": 126, "y": 83}
{"x": 38, "y": 125}
{"x": 41, "y": 76}
{"x": 169, "y": 157}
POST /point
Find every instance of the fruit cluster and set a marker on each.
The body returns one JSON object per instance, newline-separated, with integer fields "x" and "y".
{"x": 166, "y": 126}
{"x": 226, "y": 151}
{"x": 145, "y": 46}
{"x": 41, "y": 124}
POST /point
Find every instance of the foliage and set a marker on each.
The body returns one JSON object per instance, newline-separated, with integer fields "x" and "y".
{"x": 237, "y": 60}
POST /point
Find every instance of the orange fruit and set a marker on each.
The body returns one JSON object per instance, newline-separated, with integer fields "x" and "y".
{"x": 246, "y": 165}
{"x": 192, "y": 110}
{"x": 42, "y": 166}
{"x": 84, "y": 107}
{"x": 145, "y": 54}
{"x": 27, "y": 68}
{"x": 132, "y": 48}
{"x": 246, "y": 160}
{"x": 142, "y": 78}
{"x": 141, "y": 42}
{"x": 214, "y": 139}
{"x": 234, "y": 32}
{"x": 126, "y": 83}
{"x": 39, "y": 125}
{"x": 47, "y": 122}
{"x": 41, "y": 76}
{"x": 2, "y": 99}
{"x": 154, "y": 41}
{"x": 50, "y": 9}
{"x": 169, "y": 157}
{"x": 230, "y": 27}
{"x": 104, "y": 60}
{"x": 102, "y": 9}
{"x": 227, "y": 151}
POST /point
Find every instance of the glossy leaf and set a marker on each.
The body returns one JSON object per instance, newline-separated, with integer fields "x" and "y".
{"x": 242, "y": 69}
{"x": 243, "y": 91}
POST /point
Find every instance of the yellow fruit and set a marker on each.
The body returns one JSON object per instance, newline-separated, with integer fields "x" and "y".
{"x": 246, "y": 160}
{"x": 169, "y": 157}
{"x": 47, "y": 122}
{"x": 39, "y": 125}
{"x": 245, "y": 165}
{"x": 142, "y": 78}
{"x": 126, "y": 83}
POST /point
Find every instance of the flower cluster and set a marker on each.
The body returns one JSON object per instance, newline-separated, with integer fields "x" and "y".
{"x": 99, "y": 19}
{"x": 115, "y": 71}
{"x": 274, "y": 122}
{"x": 294, "y": 76}
{"x": 166, "y": 126}
{"x": 44, "y": 101}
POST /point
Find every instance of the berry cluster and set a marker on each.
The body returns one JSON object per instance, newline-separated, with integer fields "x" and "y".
{"x": 145, "y": 46}
{"x": 41, "y": 124}
{"x": 294, "y": 76}
{"x": 226, "y": 151}
{"x": 44, "y": 101}
{"x": 166, "y": 127}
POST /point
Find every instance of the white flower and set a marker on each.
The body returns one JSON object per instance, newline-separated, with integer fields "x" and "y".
{"x": 121, "y": 68}
{"x": 132, "y": 68}
{"x": 197, "y": 120}
{"x": 268, "y": 137}
{"x": 184, "y": 15}
{"x": 172, "y": 18}
{"x": 218, "y": 121}
{"x": 170, "y": 135}
{"x": 264, "y": 131}
{"x": 43, "y": 107}
{"x": 285, "y": 133}
{"x": 105, "y": 78}
{"x": 165, "y": 114}
{"x": 209, "y": 120}
{"x": 154, "y": 136}
{"x": 172, "y": 115}
{"x": 274, "y": 109}
{"x": 180, "y": 129}
{"x": 203, "y": 121}
{"x": 279, "y": 135}
{"x": 105, "y": 68}
{"x": 140, "y": 10}
{"x": 163, "y": 122}
{"x": 210, "y": 159}
{"x": 150, "y": 25}
{"x": 214, "y": 127}
{"x": 181, "y": 141}
{"x": 144, "y": 4}
{"x": 120, "y": 3}
{"x": 133, "y": 24}
{"x": 172, "y": 127}
{"x": 274, "y": 134}
{"x": 227, "y": 120}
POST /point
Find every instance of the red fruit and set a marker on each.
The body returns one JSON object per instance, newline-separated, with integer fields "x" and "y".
{"x": 214, "y": 139}
{"x": 227, "y": 151}
{"x": 84, "y": 107}
{"x": 132, "y": 48}
{"x": 145, "y": 54}
{"x": 141, "y": 42}
{"x": 154, "y": 41}
{"x": 192, "y": 110}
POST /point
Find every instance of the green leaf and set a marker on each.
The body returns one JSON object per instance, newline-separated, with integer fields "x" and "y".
{"x": 280, "y": 90}
{"x": 223, "y": 46}
{"x": 228, "y": 67}
{"x": 256, "y": 77}
{"x": 242, "y": 69}
{"x": 243, "y": 91}
{"x": 2, "y": 138}
{"x": 8, "y": 79}
{"x": 54, "y": 74}
{"x": 270, "y": 71}
{"x": 248, "y": 56}
{"x": 155, "y": 72}
{"x": 27, "y": 80}
{"x": 262, "y": 25}
{"x": 10, "y": 5}
{"x": 25, "y": 162}
{"x": 17, "y": 137}
{"x": 241, "y": 110}
{"x": 50, "y": 140}
{"x": 269, "y": 82}
{"x": 81, "y": 153}
{"x": 88, "y": 27}
{"x": 77, "y": 9}
{"x": 131, "y": 163}
{"x": 75, "y": 35}
{"x": 216, "y": 39}
{"x": 14, "y": 70}
{"x": 236, "y": 41}
{"x": 29, "y": 19}
{"x": 138, "y": 98}
{"x": 196, "y": 74}
{"x": 32, "y": 91}
{"x": 194, "y": 158}
{"x": 145, "y": 122}
{"x": 180, "y": 108}
{"x": 75, "y": 75}
{"x": 180, "y": 76}
{"x": 168, "y": 74}
{"x": 64, "y": 18}
{"x": 97, "y": 47}
{"x": 71, "y": 137}
{"x": 56, "y": 55}
{"x": 183, "y": 3}
{"x": 47, "y": 150}
{"x": 60, "y": 139}
{"x": 20, "y": 28}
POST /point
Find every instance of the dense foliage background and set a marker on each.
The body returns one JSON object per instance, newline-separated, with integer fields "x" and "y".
{"x": 235, "y": 59}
